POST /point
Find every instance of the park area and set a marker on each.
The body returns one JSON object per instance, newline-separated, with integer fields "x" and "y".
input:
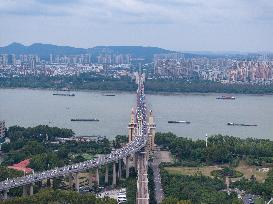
{"x": 247, "y": 170}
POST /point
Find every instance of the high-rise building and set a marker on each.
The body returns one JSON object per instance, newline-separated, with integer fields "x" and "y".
{"x": 4, "y": 59}
{"x": 2, "y": 128}
{"x": 33, "y": 63}
{"x": 12, "y": 59}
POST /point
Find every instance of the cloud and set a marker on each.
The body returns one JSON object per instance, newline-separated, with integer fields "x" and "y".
{"x": 170, "y": 23}
{"x": 56, "y": 2}
{"x": 144, "y": 11}
{"x": 34, "y": 8}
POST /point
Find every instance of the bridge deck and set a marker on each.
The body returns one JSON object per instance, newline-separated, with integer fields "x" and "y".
{"x": 136, "y": 145}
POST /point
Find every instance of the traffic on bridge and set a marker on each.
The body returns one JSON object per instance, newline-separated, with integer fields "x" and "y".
{"x": 136, "y": 145}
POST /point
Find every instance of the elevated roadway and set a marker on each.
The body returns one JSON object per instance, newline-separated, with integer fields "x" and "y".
{"x": 136, "y": 145}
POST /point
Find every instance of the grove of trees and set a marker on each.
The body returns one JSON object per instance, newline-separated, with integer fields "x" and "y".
{"x": 265, "y": 189}
{"x": 221, "y": 149}
{"x": 93, "y": 81}
{"x": 32, "y": 143}
{"x": 60, "y": 197}
{"x": 195, "y": 189}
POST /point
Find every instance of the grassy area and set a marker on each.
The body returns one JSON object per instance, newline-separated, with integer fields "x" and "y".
{"x": 248, "y": 171}
{"x": 259, "y": 201}
{"x": 244, "y": 168}
{"x": 84, "y": 155}
{"x": 87, "y": 156}
{"x": 205, "y": 170}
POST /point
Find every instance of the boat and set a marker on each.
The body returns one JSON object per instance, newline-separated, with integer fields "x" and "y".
{"x": 179, "y": 121}
{"x": 92, "y": 119}
{"x": 109, "y": 95}
{"x": 226, "y": 97}
{"x": 63, "y": 94}
{"x": 241, "y": 124}
{"x": 65, "y": 89}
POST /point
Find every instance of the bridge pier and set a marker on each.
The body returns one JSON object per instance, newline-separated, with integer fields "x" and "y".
{"x": 119, "y": 169}
{"x": 77, "y": 183}
{"x": 49, "y": 183}
{"x": 90, "y": 178}
{"x": 5, "y": 194}
{"x": 70, "y": 177}
{"x": 97, "y": 176}
{"x": 135, "y": 158}
{"x": 25, "y": 190}
{"x": 114, "y": 183}
{"x": 142, "y": 181}
{"x": 31, "y": 189}
{"x": 127, "y": 167}
{"x": 106, "y": 174}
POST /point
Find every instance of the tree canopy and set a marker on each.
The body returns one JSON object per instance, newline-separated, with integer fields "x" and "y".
{"x": 221, "y": 149}
{"x": 60, "y": 197}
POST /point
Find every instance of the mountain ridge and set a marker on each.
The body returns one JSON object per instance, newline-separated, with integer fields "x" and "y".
{"x": 44, "y": 50}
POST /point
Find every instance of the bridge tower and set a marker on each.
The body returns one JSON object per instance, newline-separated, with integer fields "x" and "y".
{"x": 132, "y": 126}
{"x": 151, "y": 132}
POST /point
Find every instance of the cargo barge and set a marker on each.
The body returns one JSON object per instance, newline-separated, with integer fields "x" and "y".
{"x": 63, "y": 94}
{"x": 92, "y": 120}
{"x": 226, "y": 98}
{"x": 109, "y": 95}
{"x": 179, "y": 121}
{"x": 241, "y": 124}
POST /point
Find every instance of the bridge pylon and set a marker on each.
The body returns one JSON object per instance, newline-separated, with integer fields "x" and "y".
{"x": 132, "y": 126}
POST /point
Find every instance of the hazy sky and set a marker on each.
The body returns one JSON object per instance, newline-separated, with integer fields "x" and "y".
{"x": 183, "y": 25}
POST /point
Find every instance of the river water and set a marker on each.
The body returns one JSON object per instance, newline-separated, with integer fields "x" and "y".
{"x": 26, "y": 107}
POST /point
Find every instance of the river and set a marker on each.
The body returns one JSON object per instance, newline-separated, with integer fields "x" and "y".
{"x": 27, "y": 107}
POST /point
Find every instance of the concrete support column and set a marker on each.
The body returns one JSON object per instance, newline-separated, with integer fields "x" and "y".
{"x": 77, "y": 183}
{"x": 49, "y": 183}
{"x": 90, "y": 178}
{"x": 119, "y": 169}
{"x": 106, "y": 174}
{"x": 97, "y": 177}
{"x": 70, "y": 180}
{"x": 31, "y": 189}
{"x": 25, "y": 190}
{"x": 5, "y": 195}
{"x": 127, "y": 167}
{"x": 135, "y": 162}
{"x": 114, "y": 175}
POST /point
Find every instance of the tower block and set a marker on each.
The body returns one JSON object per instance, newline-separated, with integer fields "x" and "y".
{"x": 132, "y": 127}
{"x": 151, "y": 132}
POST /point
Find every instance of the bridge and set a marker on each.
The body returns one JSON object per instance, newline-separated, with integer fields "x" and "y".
{"x": 141, "y": 138}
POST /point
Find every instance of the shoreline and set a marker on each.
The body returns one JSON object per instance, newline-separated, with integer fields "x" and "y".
{"x": 147, "y": 92}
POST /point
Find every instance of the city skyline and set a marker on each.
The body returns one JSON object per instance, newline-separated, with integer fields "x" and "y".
{"x": 176, "y": 25}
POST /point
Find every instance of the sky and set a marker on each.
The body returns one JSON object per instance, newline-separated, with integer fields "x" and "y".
{"x": 181, "y": 25}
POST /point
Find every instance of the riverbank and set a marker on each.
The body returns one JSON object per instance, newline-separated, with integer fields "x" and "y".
{"x": 128, "y": 85}
{"x": 163, "y": 93}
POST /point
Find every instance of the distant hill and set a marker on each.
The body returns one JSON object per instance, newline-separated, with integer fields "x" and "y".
{"x": 147, "y": 53}
{"x": 137, "y": 51}
{"x": 44, "y": 50}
